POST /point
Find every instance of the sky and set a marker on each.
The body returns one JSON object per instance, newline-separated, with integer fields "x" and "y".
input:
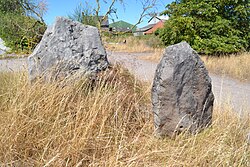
{"x": 128, "y": 12}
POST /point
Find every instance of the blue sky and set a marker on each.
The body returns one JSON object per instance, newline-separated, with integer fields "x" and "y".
{"x": 129, "y": 12}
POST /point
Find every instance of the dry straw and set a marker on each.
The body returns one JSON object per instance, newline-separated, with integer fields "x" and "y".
{"x": 236, "y": 66}
{"x": 108, "y": 123}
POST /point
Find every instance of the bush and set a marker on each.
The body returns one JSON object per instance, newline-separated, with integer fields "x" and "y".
{"x": 19, "y": 27}
{"x": 21, "y": 33}
{"x": 210, "y": 27}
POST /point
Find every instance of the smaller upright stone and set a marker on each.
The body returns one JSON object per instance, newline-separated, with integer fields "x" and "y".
{"x": 68, "y": 48}
{"x": 182, "y": 92}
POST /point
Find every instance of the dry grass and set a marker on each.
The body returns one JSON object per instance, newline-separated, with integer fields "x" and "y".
{"x": 133, "y": 44}
{"x": 108, "y": 124}
{"x": 236, "y": 66}
{"x": 154, "y": 57}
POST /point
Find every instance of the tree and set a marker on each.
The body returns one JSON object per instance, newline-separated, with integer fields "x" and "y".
{"x": 209, "y": 26}
{"x": 84, "y": 14}
{"x": 148, "y": 7}
{"x": 90, "y": 15}
{"x": 10, "y": 6}
{"x": 22, "y": 25}
{"x": 111, "y": 10}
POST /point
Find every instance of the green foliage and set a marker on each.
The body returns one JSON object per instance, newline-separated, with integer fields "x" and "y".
{"x": 10, "y": 6}
{"x": 209, "y": 26}
{"x": 90, "y": 20}
{"x": 84, "y": 14}
{"x": 20, "y": 31}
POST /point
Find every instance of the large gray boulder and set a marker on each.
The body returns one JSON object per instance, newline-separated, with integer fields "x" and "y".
{"x": 68, "y": 48}
{"x": 182, "y": 92}
{"x": 3, "y": 48}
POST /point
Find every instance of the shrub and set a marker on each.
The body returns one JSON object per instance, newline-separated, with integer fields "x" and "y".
{"x": 20, "y": 28}
{"x": 210, "y": 27}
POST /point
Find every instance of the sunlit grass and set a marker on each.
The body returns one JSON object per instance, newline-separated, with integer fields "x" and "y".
{"x": 106, "y": 123}
{"x": 13, "y": 56}
{"x": 235, "y": 66}
{"x": 133, "y": 44}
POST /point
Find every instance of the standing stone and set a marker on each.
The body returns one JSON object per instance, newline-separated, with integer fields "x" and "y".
{"x": 68, "y": 48}
{"x": 182, "y": 92}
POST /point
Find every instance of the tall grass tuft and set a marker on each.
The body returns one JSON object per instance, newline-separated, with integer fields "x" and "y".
{"x": 108, "y": 123}
{"x": 47, "y": 124}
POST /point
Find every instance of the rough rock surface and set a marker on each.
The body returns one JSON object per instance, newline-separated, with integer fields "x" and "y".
{"x": 68, "y": 48}
{"x": 182, "y": 92}
{"x": 3, "y": 48}
{"x": 248, "y": 138}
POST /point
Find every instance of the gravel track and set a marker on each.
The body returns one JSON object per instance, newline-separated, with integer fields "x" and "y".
{"x": 12, "y": 65}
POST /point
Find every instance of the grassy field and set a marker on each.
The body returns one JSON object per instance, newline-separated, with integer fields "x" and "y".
{"x": 106, "y": 123}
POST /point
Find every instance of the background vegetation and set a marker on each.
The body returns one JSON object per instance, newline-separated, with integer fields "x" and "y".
{"x": 148, "y": 43}
{"x": 84, "y": 14}
{"x": 210, "y": 27}
{"x": 21, "y": 25}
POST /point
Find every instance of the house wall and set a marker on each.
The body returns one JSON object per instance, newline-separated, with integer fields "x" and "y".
{"x": 138, "y": 34}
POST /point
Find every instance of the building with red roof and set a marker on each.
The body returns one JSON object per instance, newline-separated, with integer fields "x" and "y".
{"x": 155, "y": 23}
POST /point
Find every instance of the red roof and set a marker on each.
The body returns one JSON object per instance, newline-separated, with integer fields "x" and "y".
{"x": 160, "y": 24}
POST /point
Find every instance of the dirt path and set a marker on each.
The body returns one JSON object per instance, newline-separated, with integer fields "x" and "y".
{"x": 226, "y": 90}
{"x": 8, "y": 65}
